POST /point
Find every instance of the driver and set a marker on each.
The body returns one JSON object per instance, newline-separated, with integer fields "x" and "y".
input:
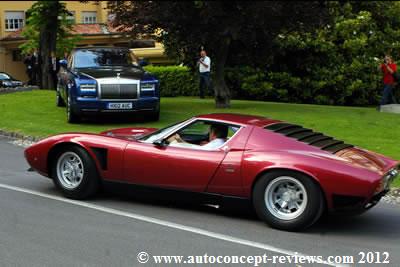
{"x": 218, "y": 134}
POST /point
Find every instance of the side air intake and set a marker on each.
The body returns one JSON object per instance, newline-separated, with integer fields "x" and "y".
{"x": 308, "y": 136}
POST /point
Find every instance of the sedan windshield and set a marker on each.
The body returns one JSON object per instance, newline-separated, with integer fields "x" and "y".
{"x": 103, "y": 58}
{"x": 4, "y": 76}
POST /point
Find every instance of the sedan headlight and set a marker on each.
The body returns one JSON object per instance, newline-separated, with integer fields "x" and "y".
{"x": 147, "y": 87}
{"x": 88, "y": 88}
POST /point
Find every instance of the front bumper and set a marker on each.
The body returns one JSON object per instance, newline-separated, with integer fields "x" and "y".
{"x": 92, "y": 105}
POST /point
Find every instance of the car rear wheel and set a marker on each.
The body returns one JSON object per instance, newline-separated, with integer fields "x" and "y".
{"x": 59, "y": 100}
{"x": 75, "y": 174}
{"x": 288, "y": 200}
{"x": 72, "y": 117}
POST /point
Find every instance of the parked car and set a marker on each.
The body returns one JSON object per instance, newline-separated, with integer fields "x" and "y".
{"x": 289, "y": 173}
{"x": 6, "y": 80}
{"x": 106, "y": 80}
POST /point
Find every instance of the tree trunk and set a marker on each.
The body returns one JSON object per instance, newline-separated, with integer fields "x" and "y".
{"x": 47, "y": 44}
{"x": 221, "y": 91}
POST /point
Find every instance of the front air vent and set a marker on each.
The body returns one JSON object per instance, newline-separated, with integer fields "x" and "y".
{"x": 308, "y": 136}
{"x": 101, "y": 155}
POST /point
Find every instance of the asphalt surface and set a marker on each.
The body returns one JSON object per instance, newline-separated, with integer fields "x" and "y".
{"x": 38, "y": 227}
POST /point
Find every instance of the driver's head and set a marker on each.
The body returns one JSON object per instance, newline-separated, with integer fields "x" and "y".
{"x": 218, "y": 131}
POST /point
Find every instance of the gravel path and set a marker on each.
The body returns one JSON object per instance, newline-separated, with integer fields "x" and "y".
{"x": 6, "y": 90}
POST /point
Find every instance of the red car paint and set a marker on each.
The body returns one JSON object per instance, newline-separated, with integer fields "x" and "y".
{"x": 231, "y": 170}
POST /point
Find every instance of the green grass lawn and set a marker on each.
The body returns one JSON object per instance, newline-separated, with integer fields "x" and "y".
{"x": 34, "y": 113}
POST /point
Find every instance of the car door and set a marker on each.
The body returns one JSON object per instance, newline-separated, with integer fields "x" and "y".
{"x": 171, "y": 166}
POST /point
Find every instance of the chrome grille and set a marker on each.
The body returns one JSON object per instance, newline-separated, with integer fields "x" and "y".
{"x": 119, "y": 91}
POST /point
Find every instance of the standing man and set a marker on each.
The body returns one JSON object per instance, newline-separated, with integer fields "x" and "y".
{"x": 28, "y": 61}
{"x": 204, "y": 69}
{"x": 388, "y": 68}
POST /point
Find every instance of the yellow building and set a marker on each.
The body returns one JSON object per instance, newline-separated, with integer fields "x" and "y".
{"x": 91, "y": 22}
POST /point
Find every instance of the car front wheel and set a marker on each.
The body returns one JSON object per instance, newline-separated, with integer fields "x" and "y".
{"x": 74, "y": 173}
{"x": 72, "y": 117}
{"x": 287, "y": 200}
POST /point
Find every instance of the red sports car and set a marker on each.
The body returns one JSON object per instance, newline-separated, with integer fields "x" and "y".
{"x": 291, "y": 174}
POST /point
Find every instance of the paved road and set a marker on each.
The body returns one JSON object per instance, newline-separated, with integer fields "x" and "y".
{"x": 38, "y": 227}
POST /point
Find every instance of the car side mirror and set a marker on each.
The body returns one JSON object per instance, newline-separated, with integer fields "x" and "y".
{"x": 63, "y": 63}
{"x": 161, "y": 143}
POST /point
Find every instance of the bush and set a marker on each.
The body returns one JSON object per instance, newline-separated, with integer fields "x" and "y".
{"x": 175, "y": 80}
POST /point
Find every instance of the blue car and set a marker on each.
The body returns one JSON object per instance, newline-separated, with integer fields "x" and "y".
{"x": 106, "y": 80}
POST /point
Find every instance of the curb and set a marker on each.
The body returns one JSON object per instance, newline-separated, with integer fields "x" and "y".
{"x": 22, "y": 137}
{"x": 17, "y": 89}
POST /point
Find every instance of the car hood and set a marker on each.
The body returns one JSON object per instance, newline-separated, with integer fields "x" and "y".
{"x": 111, "y": 72}
{"x": 368, "y": 159}
{"x": 128, "y": 133}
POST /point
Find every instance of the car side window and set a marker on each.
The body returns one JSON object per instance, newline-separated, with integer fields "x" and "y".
{"x": 197, "y": 135}
{"x": 199, "y": 128}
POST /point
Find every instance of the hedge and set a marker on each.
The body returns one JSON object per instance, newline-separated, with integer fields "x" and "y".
{"x": 258, "y": 84}
{"x": 175, "y": 80}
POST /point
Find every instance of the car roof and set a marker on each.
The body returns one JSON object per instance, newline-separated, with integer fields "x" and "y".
{"x": 101, "y": 48}
{"x": 242, "y": 119}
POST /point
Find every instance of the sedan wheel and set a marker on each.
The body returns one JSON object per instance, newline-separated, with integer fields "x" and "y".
{"x": 74, "y": 173}
{"x": 288, "y": 200}
{"x": 71, "y": 116}
{"x": 59, "y": 100}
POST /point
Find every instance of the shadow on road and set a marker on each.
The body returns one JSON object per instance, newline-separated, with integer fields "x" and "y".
{"x": 382, "y": 220}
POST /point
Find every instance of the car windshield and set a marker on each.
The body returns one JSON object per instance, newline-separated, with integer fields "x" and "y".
{"x": 150, "y": 138}
{"x": 103, "y": 57}
{"x": 4, "y": 76}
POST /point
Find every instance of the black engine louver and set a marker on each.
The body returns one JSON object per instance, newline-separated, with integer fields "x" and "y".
{"x": 308, "y": 136}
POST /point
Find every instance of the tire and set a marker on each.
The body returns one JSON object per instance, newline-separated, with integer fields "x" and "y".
{"x": 59, "y": 100}
{"x": 287, "y": 200}
{"x": 79, "y": 182}
{"x": 72, "y": 117}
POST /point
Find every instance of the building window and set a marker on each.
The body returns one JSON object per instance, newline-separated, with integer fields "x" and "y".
{"x": 89, "y": 17}
{"x": 14, "y": 20}
{"x": 71, "y": 16}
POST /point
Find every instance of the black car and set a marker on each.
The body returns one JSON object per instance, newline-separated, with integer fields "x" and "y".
{"x": 106, "y": 80}
{"x": 6, "y": 80}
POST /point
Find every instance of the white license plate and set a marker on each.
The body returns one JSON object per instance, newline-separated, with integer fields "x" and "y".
{"x": 119, "y": 106}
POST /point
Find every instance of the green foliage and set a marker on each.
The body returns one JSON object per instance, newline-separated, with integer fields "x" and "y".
{"x": 36, "y": 18}
{"x": 175, "y": 80}
{"x": 338, "y": 63}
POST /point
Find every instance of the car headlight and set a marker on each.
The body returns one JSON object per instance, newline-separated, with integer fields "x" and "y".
{"x": 387, "y": 180}
{"x": 147, "y": 87}
{"x": 7, "y": 83}
{"x": 85, "y": 88}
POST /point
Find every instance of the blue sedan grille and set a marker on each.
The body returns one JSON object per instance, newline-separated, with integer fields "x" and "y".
{"x": 119, "y": 91}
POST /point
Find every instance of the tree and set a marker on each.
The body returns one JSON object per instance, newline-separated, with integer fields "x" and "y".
{"x": 337, "y": 64}
{"x": 225, "y": 28}
{"x": 47, "y": 30}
